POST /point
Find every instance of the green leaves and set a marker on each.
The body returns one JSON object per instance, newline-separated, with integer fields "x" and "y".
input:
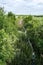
{"x": 6, "y": 47}
{"x": 2, "y": 63}
{"x": 15, "y": 48}
{"x": 1, "y": 18}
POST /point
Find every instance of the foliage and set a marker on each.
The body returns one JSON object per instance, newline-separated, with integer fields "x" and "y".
{"x": 20, "y": 36}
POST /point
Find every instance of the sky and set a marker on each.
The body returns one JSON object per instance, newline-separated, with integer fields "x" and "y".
{"x": 33, "y": 7}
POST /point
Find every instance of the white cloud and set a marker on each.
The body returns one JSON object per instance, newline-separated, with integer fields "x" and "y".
{"x": 38, "y": 1}
{"x": 23, "y": 6}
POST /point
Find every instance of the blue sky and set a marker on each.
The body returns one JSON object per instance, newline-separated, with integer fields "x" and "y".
{"x": 23, "y": 6}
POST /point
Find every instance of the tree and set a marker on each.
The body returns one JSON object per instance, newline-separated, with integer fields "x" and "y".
{"x": 1, "y": 17}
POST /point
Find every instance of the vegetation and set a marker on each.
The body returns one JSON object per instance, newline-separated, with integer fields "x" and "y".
{"x": 21, "y": 39}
